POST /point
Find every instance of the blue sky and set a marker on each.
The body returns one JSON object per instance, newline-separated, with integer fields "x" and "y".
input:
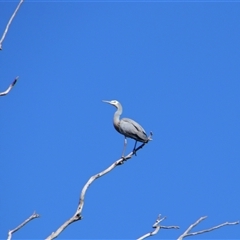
{"x": 174, "y": 66}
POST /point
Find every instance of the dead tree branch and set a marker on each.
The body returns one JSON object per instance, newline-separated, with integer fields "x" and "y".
{"x": 77, "y": 216}
{"x": 9, "y": 23}
{"x": 9, "y": 88}
{"x": 187, "y": 232}
{"x": 157, "y": 227}
{"x": 10, "y": 233}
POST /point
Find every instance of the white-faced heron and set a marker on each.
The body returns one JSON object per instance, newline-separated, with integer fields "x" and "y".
{"x": 127, "y": 127}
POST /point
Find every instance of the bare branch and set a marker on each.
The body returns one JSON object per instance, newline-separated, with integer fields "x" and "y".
{"x": 187, "y": 232}
{"x": 157, "y": 227}
{"x": 77, "y": 216}
{"x": 33, "y": 216}
{"x": 9, "y": 88}
{"x": 9, "y": 22}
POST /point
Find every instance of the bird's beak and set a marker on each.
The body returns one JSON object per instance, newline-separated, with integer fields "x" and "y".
{"x": 106, "y": 101}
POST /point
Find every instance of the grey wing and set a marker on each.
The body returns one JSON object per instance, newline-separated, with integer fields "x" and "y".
{"x": 132, "y": 129}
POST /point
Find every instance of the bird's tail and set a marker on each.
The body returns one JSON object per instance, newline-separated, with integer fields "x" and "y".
{"x": 150, "y": 137}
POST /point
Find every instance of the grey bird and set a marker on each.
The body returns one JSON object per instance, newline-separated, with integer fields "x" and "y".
{"x": 127, "y": 127}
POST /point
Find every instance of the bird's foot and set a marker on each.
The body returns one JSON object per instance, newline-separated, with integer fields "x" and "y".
{"x": 134, "y": 152}
{"x": 121, "y": 161}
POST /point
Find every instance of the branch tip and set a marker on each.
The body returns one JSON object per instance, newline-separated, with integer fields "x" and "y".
{"x": 188, "y": 233}
{"x": 33, "y": 216}
{"x": 9, "y": 23}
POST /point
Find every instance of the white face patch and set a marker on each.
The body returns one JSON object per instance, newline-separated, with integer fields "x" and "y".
{"x": 114, "y": 102}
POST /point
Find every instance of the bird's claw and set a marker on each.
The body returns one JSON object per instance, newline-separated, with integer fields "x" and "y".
{"x": 134, "y": 152}
{"x": 122, "y": 161}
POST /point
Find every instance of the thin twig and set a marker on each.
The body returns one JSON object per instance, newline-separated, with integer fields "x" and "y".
{"x": 157, "y": 227}
{"x": 187, "y": 232}
{"x": 77, "y": 216}
{"x": 9, "y": 88}
{"x": 9, "y": 22}
{"x": 33, "y": 216}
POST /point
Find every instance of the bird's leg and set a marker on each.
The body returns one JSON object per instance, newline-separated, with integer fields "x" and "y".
{"x": 124, "y": 147}
{"x": 134, "y": 149}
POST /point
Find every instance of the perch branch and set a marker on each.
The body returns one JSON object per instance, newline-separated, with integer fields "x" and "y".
{"x": 77, "y": 216}
{"x": 10, "y": 233}
{"x": 157, "y": 227}
{"x": 9, "y": 22}
{"x": 9, "y": 88}
{"x": 187, "y": 232}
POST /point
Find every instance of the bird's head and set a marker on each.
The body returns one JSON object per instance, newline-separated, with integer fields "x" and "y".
{"x": 115, "y": 103}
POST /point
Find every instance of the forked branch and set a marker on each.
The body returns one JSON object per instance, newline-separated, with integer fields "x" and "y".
{"x": 187, "y": 232}
{"x": 9, "y": 23}
{"x": 77, "y": 216}
{"x": 33, "y": 216}
{"x": 9, "y": 88}
{"x": 157, "y": 227}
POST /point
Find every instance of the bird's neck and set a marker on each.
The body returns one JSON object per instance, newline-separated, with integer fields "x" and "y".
{"x": 116, "y": 118}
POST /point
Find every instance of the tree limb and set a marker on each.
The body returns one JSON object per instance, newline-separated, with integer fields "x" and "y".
{"x": 157, "y": 227}
{"x": 9, "y": 22}
{"x": 33, "y": 216}
{"x": 187, "y": 232}
{"x": 9, "y": 88}
{"x": 77, "y": 216}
